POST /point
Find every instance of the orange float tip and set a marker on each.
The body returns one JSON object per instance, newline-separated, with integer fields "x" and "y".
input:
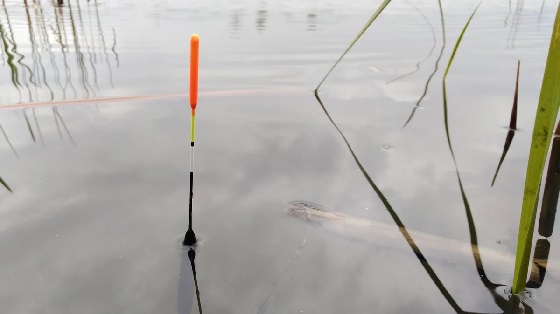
{"x": 194, "y": 71}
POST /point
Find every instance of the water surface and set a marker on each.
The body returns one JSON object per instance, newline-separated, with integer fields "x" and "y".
{"x": 100, "y": 189}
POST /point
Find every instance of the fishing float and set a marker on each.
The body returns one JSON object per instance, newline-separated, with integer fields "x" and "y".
{"x": 190, "y": 237}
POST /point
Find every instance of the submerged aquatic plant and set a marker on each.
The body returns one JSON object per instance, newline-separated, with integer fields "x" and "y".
{"x": 512, "y": 125}
{"x": 472, "y": 228}
{"x": 547, "y": 110}
{"x": 431, "y": 76}
{"x": 410, "y": 241}
{"x": 431, "y": 49}
{"x": 5, "y": 185}
{"x": 362, "y": 31}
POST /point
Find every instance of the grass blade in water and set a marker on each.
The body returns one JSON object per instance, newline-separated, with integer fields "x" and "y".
{"x": 423, "y": 261}
{"x": 547, "y": 111}
{"x": 5, "y": 185}
{"x": 507, "y": 144}
{"x": 429, "y": 53}
{"x": 512, "y": 125}
{"x": 472, "y": 228}
{"x": 29, "y": 125}
{"x": 513, "y": 120}
{"x": 368, "y": 23}
{"x": 435, "y": 67}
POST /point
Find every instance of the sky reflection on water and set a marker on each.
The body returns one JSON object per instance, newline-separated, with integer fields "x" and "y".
{"x": 100, "y": 190}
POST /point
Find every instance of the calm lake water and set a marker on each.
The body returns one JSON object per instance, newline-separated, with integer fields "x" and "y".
{"x": 99, "y": 201}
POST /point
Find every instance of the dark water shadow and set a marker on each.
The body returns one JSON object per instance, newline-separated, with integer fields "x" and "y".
{"x": 188, "y": 284}
{"x": 425, "y": 92}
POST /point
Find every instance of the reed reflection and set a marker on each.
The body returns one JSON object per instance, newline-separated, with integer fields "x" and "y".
{"x": 2, "y": 182}
{"x": 488, "y": 284}
{"x": 261, "y": 20}
{"x": 60, "y": 121}
{"x": 432, "y": 29}
{"x": 410, "y": 241}
{"x": 541, "y": 11}
{"x": 431, "y": 76}
{"x": 506, "y": 304}
{"x": 8, "y": 38}
{"x": 538, "y": 267}
{"x": 516, "y": 20}
{"x": 55, "y": 37}
{"x": 311, "y": 21}
{"x": 8, "y": 141}
{"x": 551, "y": 188}
{"x": 547, "y": 215}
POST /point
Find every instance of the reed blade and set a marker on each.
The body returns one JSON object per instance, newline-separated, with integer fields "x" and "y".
{"x": 512, "y": 124}
{"x": 513, "y": 119}
{"x": 547, "y": 110}
{"x": 410, "y": 241}
{"x": 470, "y": 219}
{"x": 507, "y": 144}
{"x": 5, "y": 185}
{"x": 362, "y": 31}
{"x": 435, "y": 67}
{"x": 431, "y": 49}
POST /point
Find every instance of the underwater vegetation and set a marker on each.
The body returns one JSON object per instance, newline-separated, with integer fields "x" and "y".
{"x": 547, "y": 110}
